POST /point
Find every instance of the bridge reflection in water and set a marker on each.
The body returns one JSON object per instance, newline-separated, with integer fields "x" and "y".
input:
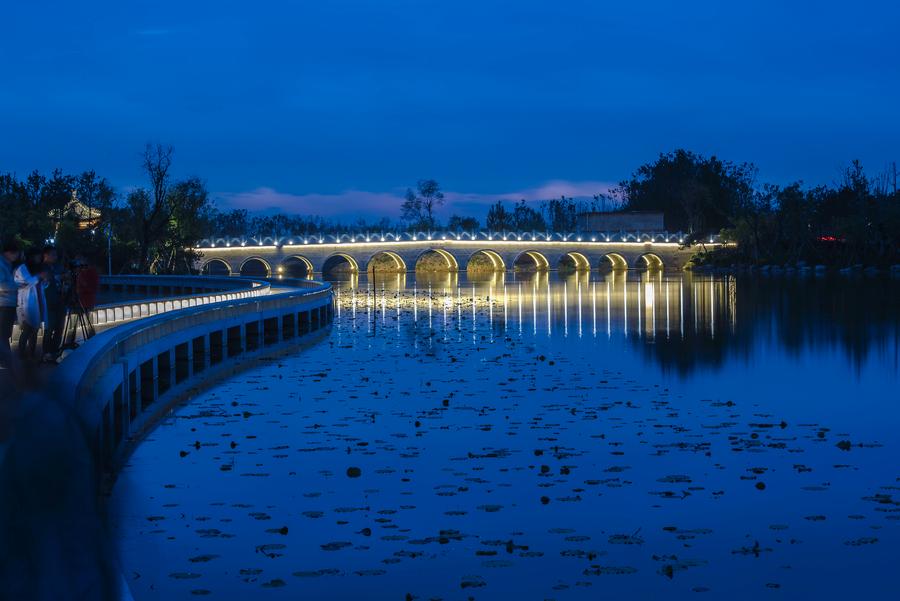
{"x": 644, "y": 304}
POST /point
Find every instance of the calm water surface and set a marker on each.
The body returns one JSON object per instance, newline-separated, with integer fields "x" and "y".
{"x": 582, "y": 437}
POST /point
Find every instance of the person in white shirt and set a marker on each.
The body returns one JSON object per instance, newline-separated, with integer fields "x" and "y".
{"x": 31, "y": 309}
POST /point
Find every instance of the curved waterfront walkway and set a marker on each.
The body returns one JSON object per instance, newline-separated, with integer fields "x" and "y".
{"x": 60, "y": 445}
{"x": 125, "y": 376}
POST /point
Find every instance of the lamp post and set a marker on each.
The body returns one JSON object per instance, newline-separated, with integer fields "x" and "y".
{"x": 109, "y": 248}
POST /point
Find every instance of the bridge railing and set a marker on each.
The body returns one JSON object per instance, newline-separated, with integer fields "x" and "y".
{"x": 401, "y": 236}
{"x": 169, "y": 293}
{"x": 163, "y": 294}
{"x": 122, "y": 379}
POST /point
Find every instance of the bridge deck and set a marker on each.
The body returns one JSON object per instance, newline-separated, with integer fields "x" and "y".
{"x": 319, "y": 256}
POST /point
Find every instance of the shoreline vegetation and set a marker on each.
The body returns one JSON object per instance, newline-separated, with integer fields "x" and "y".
{"x": 852, "y": 225}
{"x": 801, "y": 268}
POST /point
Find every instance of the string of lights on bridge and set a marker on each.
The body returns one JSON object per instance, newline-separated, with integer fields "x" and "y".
{"x": 369, "y": 237}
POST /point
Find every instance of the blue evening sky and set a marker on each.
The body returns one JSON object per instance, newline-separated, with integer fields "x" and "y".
{"x": 334, "y": 107}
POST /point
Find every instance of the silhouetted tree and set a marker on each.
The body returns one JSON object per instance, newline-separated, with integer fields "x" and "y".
{"x": 498, "y": 218}
{"x": 561, "y": 213}
{"x": 418, "y": 207}
{"x": 696, "y": 194}
{"x": 149, "y": 207}
{"x": 166, "y": 218}
{"x": 233, "y": 223}
{"x": 189, "y": 221}
{"x": 526, "y": 218}
{"x": 458, "y": 224}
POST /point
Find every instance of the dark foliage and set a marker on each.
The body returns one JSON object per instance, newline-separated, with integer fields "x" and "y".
{"x": 855, "y": 222}
{"x": 697, "y": 195}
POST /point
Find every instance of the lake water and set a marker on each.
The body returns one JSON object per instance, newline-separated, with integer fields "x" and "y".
{"x": 548, "y": 437}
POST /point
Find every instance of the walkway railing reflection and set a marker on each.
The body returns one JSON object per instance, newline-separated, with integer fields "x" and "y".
{"x": 647, "y": 304}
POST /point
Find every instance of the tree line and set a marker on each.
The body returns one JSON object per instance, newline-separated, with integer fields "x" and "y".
{"x": 154, "y": 228}
{"x": 151, "y": 229}
{"x": 855, "y": 220}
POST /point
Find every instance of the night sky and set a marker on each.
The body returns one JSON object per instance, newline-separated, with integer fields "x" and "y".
{"x": 334, "y": 108}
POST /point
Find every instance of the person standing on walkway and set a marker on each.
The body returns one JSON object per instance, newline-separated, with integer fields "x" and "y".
{"x": 56, "y": 310}
{"x": 9, "y": 297}
{"x": 87, "y": 284}
{"x": 32, "y": 309}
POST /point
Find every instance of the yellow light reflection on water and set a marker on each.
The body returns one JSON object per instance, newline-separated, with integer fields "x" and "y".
{"x": 642, "y": 304}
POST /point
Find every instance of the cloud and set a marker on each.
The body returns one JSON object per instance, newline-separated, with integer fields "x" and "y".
{"x": 352, "y": 204}
{"x": 349, "y": 204}
{"x": 550, "y": 189}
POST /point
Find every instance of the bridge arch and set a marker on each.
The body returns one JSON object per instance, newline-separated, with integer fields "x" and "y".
{"x": 218, "y": 267}
{"x": 449, "y": 262}
{"x": 340, "y": 263}
{"x": 485, "y": 260}
{"x": 531, "y": 260}
{"x": 386, "y": 261}
{"x": 573, "y": 261}
{"x": 256, "y": 267}
{"x": 296, "y": 266}
{"x": 615, "y": 261}
{"x": 650, "y": 261}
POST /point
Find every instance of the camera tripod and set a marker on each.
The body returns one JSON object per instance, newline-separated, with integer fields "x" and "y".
{"x": 76, "y": 317}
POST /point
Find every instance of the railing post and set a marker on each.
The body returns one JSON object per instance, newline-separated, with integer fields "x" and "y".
{"x": 154, "y": 365}
{"x": 207, "y": 352}
{"x": 190, "y": 359}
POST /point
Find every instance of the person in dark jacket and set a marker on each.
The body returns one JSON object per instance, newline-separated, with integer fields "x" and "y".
{"x": 88, "y": 283}
{"x": 56, "y": 310}
{"x": 9, "y": 298}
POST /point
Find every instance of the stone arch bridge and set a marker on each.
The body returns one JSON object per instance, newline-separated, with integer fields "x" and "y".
{"x": 452, "y": 252}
